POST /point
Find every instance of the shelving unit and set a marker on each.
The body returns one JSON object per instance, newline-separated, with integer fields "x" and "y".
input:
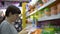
{"x": 49, "y": 17}
{"x": 45, "y": 5}
{"x": 45, "y": 20}
{"x": 46, "y": 17}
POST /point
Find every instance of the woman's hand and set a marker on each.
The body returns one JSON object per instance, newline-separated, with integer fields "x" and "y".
{"x": 24, "y": 31}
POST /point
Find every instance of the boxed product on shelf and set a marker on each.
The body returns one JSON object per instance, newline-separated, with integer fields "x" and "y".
{"x": 47, "y": 11}
{"x": 54, "y": 10}
{"x": 41, "y": 13}
{"x": 58, "y": 8}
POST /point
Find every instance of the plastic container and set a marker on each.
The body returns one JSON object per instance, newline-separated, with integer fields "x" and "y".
{"x": 58, "y": 8}
{"x": 47, "y": 11}
{"x": 54, "y": 10}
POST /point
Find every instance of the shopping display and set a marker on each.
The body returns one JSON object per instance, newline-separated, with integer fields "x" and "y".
{"x": 54, "y": 10}
{"x": 45, "y": 26}
{"x": 39, "y": 17}
{"x": 39, "y": 4}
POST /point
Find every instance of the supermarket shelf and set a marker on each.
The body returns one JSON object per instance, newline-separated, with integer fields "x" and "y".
{"x": 45, "y": 5}
{"x": 49, "y": 18}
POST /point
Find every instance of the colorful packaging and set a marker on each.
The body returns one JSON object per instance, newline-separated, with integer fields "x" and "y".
{"x": 54, "y": 10}
{"x": 41, "y": 14}
{"x": 58, "y": 8}
{"x": 47, "y": 11}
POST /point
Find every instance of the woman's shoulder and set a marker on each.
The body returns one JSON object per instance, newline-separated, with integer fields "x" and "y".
{"x": 4, "y": 24}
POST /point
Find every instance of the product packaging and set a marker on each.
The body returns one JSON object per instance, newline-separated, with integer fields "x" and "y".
{"x": 53, "y": 10}
{"x": 47, "y": 11}
{"x": 58, "y": 8}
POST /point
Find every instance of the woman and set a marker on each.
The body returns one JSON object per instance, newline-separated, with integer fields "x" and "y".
{"x": 7, "y": 26}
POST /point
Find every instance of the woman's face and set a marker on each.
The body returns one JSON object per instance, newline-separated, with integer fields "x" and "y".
{"x": 14, "y": 17}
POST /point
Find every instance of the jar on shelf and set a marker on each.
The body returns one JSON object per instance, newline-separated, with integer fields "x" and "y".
{"x": 54, "y": 10}
{"x": 58, "y": 8}
{"x": 47, "y": 11}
